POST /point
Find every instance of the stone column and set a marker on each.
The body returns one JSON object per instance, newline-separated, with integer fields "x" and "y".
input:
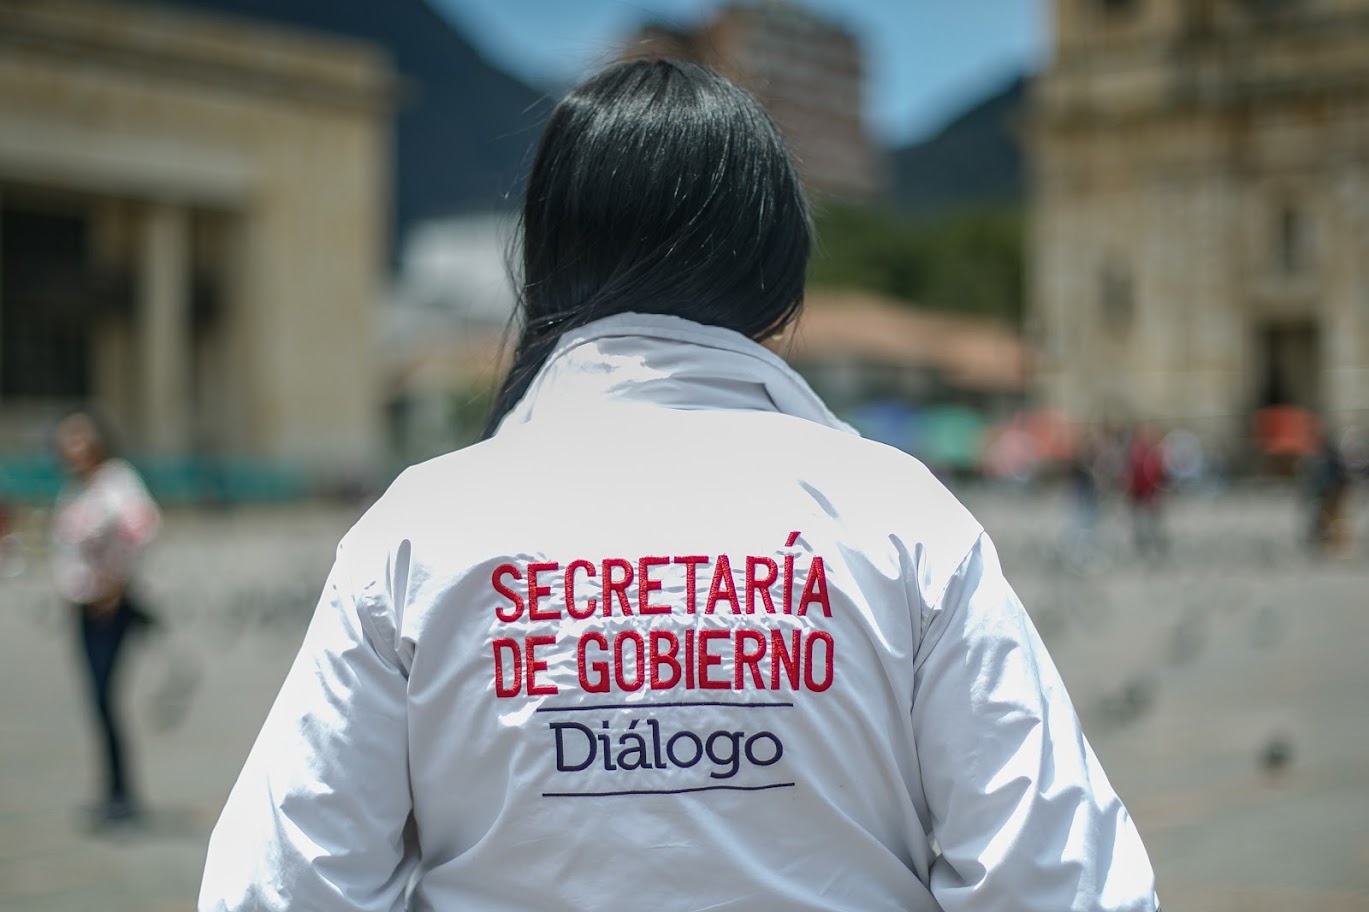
{"x": 163, "y": 329}
{"x": 112, "y": 359}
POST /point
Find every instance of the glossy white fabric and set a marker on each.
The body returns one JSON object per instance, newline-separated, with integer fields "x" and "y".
{"x": 399, "y": 760}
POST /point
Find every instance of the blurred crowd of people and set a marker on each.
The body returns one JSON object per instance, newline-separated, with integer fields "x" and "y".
{"x": 1134, "y": 464}
{"x": 1142, "y": 467}
{"x": 1137, "y": 466}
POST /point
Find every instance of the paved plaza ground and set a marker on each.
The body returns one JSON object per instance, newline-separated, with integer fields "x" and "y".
{"x": 1225, "y": 688}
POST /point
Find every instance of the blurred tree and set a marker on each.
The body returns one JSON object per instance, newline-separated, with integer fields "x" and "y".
{"x": 967, "y": 260}
{"x": 469, "y": 409}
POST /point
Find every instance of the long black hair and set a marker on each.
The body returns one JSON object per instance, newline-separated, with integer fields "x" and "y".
{"x": 658, "y": 187}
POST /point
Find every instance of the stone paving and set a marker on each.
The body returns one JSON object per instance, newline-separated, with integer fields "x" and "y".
{"x": 1225, "y": 689}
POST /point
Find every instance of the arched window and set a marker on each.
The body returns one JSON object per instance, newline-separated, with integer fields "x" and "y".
{"x": 1116, "y": 302}
{"x": 1290, "y": 240}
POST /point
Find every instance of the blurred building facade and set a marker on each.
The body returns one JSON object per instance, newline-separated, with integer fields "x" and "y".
{"x": 193, "y": 213}
{"x": 445, "y": 332}
{"x": 809, "y": 74}
{"x": 857, "y": 346}
{"x": 1201, "y": 211}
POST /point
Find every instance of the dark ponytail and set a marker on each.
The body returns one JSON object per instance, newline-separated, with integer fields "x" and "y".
{"x": 658, "y": 187}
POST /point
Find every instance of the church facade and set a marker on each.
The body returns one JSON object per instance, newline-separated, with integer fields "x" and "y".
{"x": 1200, "y": 213}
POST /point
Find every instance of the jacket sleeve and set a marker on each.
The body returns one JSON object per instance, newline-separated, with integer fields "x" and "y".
{"x": 1023, "y": 815}
{"x": 136, "y": 515}
{"x": 320, "y": 817}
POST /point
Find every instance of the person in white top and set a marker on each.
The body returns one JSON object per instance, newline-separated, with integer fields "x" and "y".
{"x": 103, "y": 519}
{"x": 673, "y": 636}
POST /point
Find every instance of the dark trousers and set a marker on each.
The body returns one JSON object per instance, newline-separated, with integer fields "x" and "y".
{"x": 103, "y": 636}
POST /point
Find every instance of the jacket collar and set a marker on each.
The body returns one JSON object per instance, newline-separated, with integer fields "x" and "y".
{"x": 665, "y": 361}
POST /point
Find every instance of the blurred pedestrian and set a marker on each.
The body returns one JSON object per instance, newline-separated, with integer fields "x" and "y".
{"x": 1185, "y": 460}
{"x": 11, "y": 549}
{"x": 1144, "y": 487}
{"x": 104, "y": 518}
{"x": 673, "y": 636}
{"x": 1328, "y": 481}
{"x": 1083, "y": 545}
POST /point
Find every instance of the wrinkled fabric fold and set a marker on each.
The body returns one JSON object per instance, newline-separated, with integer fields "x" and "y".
{"x": 667, "y": 361}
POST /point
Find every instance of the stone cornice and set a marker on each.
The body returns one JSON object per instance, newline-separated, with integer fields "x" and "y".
{"x": 202, "y": 49}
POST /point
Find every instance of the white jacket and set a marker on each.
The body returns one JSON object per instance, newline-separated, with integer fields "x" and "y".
{"x": 674, "y": 639}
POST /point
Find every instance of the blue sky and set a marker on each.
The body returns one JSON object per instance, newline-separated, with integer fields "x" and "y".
{"x": 925, "y": 59}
